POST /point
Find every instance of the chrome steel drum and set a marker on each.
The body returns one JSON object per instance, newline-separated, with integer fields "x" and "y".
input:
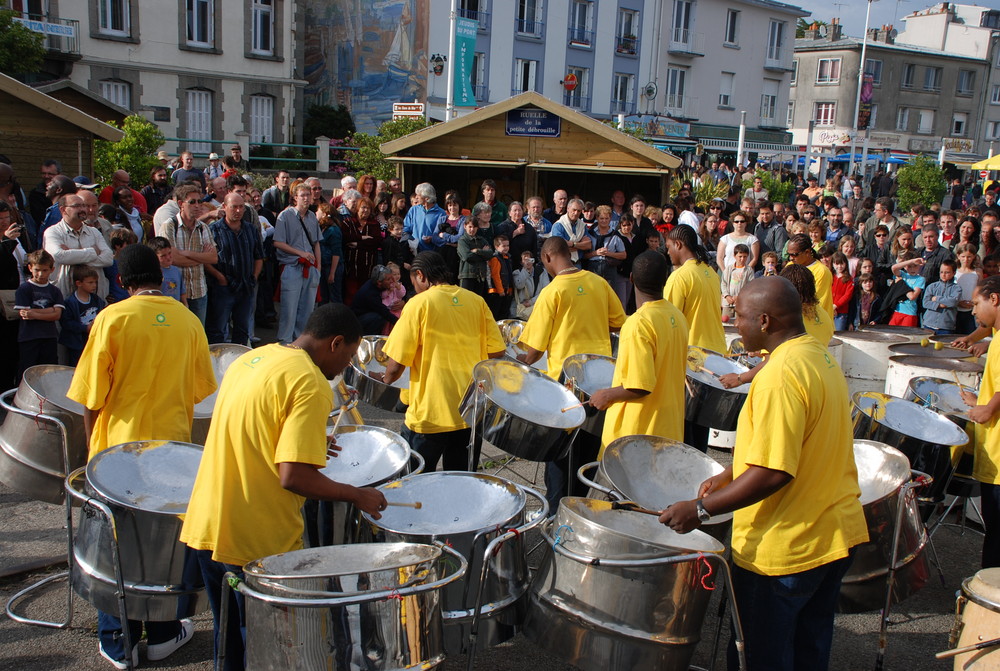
{"x": 585, "y": 374}
{"x": 600, "y": 617}
{"x": 910, "y": 333}
{"x": 949, "y": 339}
{"x": 708, "y": 403}
{"x": 344, "y": 395}
{"x": 928, "y": 439}
{"x": 904, "y": 368}
{"x": 519, "y": 410}
{"x": 941, "y": 395}
{"x": 882, "y": 472}
{"x": 836, "y": 347}
{"x": 977, "y": 619}
{"x": 31, "y": 438}
{"x": 365, "y": 606}
{"x": 866, "y": 358}
{"x": 369, "y": 456}
{"x": 916, "y": 349}
{"x": 738, "y": 351}
{"x": 510, "y": 330}
{"x": 147, "y": 486}
{"x": 223, "y": 355}
{"x": 615, "y": 338}
{"x": 369, "y": 360}
{"x": 466, "y": 511}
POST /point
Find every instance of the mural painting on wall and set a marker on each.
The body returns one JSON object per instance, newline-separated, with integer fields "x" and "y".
{"x": 366, "y": 55}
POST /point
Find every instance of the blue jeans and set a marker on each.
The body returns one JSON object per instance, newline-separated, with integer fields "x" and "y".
{"x": 199, "y": 306}
{"x": 223, "y": 304}
{"x": 236, "y": 631}
{"x": 841, "y": 322}
{"x": 298, "y": 297}
{"x": 787, "y": 620}
{"x": 449, "y": 447}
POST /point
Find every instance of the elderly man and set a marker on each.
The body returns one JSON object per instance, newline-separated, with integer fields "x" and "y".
{"x": 214, "y": 168}
{"x": 559, "y": 201}
{"x": 572, "y": 228}
{"x": 187, "y": 172}
{"x": 347, "y": 182}
{"x": 233, "y": 278}
{"x": 119, "y": 179}
{"x": 71, "y": 242}
{"x": 296, "y": 244}
{"x": 218, "y": 192}
{"x": 275, "y": 198}
{"x": 193, "y": 246}
{"x": 422, "y": 221}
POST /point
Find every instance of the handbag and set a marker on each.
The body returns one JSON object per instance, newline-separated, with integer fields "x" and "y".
{"x": 7, "y": 303}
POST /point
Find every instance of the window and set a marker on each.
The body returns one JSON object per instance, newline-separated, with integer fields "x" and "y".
{"x": 828, "y": 71}
{"x": 790, "y": 114}
{"x": 262, "y": 28}
{"x": 993, "y": 130}
{"x": 732, "y": 36}
{"x": 775, "y": 37}
{"x": 200, "y": 23}
{"x": 932, "y": 79}
{"x": 622, "y": 96}
{"x": 825, "y": 114}
{"x": 578, "y": 98}
{"x": 903, "y": 118}
{"x": 925, "y": 122}
{"x": 682, "y": 21}
{"x": 873, "y": 116}
{"x": 995, "y": 95}
{"x": 726, "y": 89}
{"x": 116, "y": 92}
{"x": 795, "y": 72}
{"x": 199, "y": 120}
{"x": 675, "y": 88}
{"x": 874, "y": 68}
{"x": 627, "y": 40}
{"x": 529, "y": 15}
{"x": 579, "y": 23}
{"x": 966, "y": 82}
{"x": 479, "y": 75}
{"x": 769, "y": 102}
{"x": 261, "y": 119}
{"x": 524, "y": 75}
{"x": 959, "y": 124}
{"x": 475, "y": 10}
{"x": 906, "y": 81}
{"x": 113, "y": 17}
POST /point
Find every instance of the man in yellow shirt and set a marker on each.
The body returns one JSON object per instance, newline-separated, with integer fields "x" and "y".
{"x": 442, "y": 333}
{"x": 574, "y": 314}
{"x": 262, "y": 458}
{"x": 793, "y": 488}
{"x": 145, "y": 365}
{"x": 801, "y": 252}
{"x": 647, "y": 392}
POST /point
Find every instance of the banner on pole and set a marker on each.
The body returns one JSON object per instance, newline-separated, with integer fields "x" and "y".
{"x": 865, "y": 106}
{"x": 465, "y": 52}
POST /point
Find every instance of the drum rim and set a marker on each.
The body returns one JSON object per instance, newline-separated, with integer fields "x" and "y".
{"x": 978, "y": 599}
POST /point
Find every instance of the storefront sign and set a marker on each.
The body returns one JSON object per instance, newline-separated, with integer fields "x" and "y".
{"x": 533, "y": 122}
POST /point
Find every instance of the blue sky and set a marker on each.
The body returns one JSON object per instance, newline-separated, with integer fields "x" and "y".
{"x": 852, "y": 12}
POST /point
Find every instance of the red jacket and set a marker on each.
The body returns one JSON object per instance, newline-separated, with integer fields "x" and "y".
{"x": 843, "y": 290}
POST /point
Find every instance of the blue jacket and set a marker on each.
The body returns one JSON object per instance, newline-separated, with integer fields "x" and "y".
{"x": 943, "y": 312}
{"x": 421, "y": 222}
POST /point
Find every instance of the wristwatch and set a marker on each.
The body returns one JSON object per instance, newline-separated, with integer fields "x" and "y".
{"x": 703, "y": 515}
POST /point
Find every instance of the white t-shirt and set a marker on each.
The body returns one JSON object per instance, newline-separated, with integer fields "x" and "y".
{"x": 968, "y": 282}
{"x": 731, "y": 241}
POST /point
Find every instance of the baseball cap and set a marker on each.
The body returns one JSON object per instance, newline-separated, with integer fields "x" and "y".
{"x": 83, "y": 182}
{"x": 213, "y": 156}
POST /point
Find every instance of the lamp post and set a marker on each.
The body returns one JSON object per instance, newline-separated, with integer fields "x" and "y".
{"x": 857, "y": 97}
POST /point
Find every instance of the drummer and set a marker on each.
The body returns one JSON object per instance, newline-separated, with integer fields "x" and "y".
{"x": 972, "y": 342}
{"x": 801, "y": 252}
{"x": 648, "y": 384}
{"x": 694, "y": 288}
{"x": 442, "y": 333}
{"x": 145, "y": 365}
{"x": 265, "y": 447}
{"x": 793, "y": 488}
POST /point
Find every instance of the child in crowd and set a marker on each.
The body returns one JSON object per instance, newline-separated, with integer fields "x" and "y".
{"x": 80, "y": 310}
{"x": 392, "y": 297}
{"x": 120, "y": 238}
{"x": 654, "y": 242}
{"x": 331, "y": 251}
{"x": 967, "y": 276}
{"x": 867, "y": 302}
{"x": 529, "y": 280}
{"x": 474, "y": 254}
{"x": 770, "y": 261}
{"x": 825, "y": 255}
{"x": 40, "y": 305}
{"x": 941, "y": 301}
{"x": 501, "y": 291}
{"x": 848, "y": 246}
{"x": 991, "y": 266}
{"x": 817, "y": 236}
{"x": 734, "y": 278}
{"x": 173, "y": 279}
{"x": 907, "y": 270}
{"x": 843, "y": 292}
{"x": 394, "y": 250}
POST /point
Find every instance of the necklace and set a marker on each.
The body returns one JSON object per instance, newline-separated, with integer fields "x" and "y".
{"x": 148, "y": 292}
{"x": 567, "y": 270}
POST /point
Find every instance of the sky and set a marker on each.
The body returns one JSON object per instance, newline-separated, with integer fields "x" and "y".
{"x": 852, "y": 12}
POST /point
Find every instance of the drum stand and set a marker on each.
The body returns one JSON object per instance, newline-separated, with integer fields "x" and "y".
{"x": 966, "y": 499}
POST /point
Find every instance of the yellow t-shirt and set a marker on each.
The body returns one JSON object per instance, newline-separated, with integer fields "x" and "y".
{"x": 694, "y": 288}
{"x": 441, "y": 335}
{"x": 797, "y": 419}
{"x": 573, "y": 315}
{"x": 824, "y": 285}
{"x": 986, "y": 467}
{"x": 272, "y": 409}
{"x": 819, "y": 325}
{"x": 652, "y": 356}
{"x": 145, "y": 365}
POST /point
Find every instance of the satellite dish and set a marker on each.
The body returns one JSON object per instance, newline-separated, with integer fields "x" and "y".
{"x": 823, "y": 30}
{"x": 893, "y": 33}
{"x": 650, "y": 90}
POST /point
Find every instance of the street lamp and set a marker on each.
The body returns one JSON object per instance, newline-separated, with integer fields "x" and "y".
{"x": 857, "y": 97}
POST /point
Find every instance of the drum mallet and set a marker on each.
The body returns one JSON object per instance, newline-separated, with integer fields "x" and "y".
{"x": 336, "y": 425}
{"x": 968, "y": 648}
{"x": 416, "y": 505}
{"x": 633, "y": 508}
{"x": 570, "y": 407}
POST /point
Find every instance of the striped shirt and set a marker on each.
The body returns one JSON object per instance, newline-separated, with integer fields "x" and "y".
{"x": 198, "y": 239}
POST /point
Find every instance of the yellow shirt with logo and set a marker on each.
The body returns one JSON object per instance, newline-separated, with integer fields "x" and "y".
{"x": 145, "y": 365}
{"x": 441, "y": 335}
{"x": 652, "y": 356}
{"x": 819, "y": 325}
{"x": 824, "y": 285}
{"x": 574, "y": 314}
{"x": 797, "y": 419}
{"x": 986, "y": 467}
{"x": 694, "y": 288}
{"x": 272, "y": 409}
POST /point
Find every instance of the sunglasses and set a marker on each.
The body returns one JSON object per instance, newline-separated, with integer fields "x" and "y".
{"x": 193, "y": 202}
{"x": 881, "y": 235}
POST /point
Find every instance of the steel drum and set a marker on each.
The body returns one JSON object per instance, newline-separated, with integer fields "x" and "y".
{"x": 866, "y": 358}
{"x": 904, "y": 368}
{"x": 738, "y": 351}
{"x": 601, "y": 617}
{"x": 707, "y": 402}
{"x": 585, "y": 374}
{"x": 146, "y": 486}
{"x": 836, "y": 347}
{"x": 39, "y": 425}
{"x": 510, "y": 330}
{"x": 929, "y": 440}
{"x": 911, "y": 333}
{"x": 977, "y": 619}
{"x": 916, "y": 349}
{"x": 344, "y": 395}
{"x": 882, "y": 472}
{"x": 468, "y": 511}
{"x": 519, "y": 410}
{"x": 949, "y": 339}
{"x": 370, "y": 359}
{"x": 943, "y": 396}
{"x": 615, "y": 339}
{"x": 365, "y": 606}
{"x": 223, "y": 355}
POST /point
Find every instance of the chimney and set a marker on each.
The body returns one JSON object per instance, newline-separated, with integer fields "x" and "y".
{"x": 835, "y": 30}
{"x": 812, "y": 32}
{"x": 882, "y": 34}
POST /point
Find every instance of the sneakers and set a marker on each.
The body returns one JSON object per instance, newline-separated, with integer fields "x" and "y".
{"x": 121, "y": 663}
{"x": 163, "y": 650}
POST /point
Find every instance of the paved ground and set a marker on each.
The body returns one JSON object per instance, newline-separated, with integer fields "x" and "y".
{"x": 32, "y": 533}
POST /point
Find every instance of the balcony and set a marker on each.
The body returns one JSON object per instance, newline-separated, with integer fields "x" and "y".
{"x": 577, "y": 102}
{"x": 627, "y": 45}
{"x": 517, "y": 92}
{"x": 964, "y": 93}
{"x": 680, "y": 106}
{"x": 622, "y": 107}
{"x": 578, "y": 37}
{"x": 480, "y": 91}
{"x": 482, "y": 17}
{"x": 775, "y": 60}
{"x": 529, "y": 28}
{"x": 683, "y": 42}
{"x": 62, "y": 36}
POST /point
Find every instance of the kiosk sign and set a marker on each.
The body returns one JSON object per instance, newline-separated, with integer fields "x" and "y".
{"x": 533, "y": 122}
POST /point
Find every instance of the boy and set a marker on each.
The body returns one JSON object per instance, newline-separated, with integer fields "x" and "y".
{"x": 770, "y": 260}
{"x": 501, "y": 291}
{"x": 941, "y": 301}
{"x": 81, "y": 308}
{"x": 120, "y": 238}
{"x": 173, "y": 279}
{"x": 654, "y": 242}
{"x": 394, "y": 250}
{"x": 734, "y": 278}
{"x": 473, "y": 257}
{"x": 908, "y": 271}
{"x": 40, "y": 305}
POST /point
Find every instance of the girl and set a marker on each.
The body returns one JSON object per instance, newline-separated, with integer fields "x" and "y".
{"x": 843, "y": 292}
{"x": 668, "y": 220}
{"x": 724, "y": 255}
{"x": 867, "y": 302}
{"x": 967, "y": 276}
{"x": 331, "y": 249}
{"x": 392, "y": 296}
{"x": 474, "y": 254}
{"x": 398, "y": 205}
{"x": 848, "y": 246}
{"x": 902, "y": 243}
{"x": 383, "y": 210}
{"x": 655, "y": 216}
{"x": 709, "y": 232}
{"x": 817, "y": 236}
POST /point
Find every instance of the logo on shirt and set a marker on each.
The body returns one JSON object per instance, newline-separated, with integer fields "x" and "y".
{"x": 161, "y": 320}
{"x": 455, "y": 302}
{"x": 673, "y": 321}
{"x": 579, "y": 291}
{"x": 252, "y": 362}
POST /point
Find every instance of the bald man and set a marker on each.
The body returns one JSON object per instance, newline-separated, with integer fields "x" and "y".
{"x": 119, "y": 179}
{"x": 792, "y": 488}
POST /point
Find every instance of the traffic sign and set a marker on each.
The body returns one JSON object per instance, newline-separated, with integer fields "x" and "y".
{"x": 983, "y": 174}
{"x": 407, "y": 111}
{"x": 570, "y": 82}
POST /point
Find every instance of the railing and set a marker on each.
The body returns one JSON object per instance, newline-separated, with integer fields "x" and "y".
{"x": 686, "y": 42}
{"x": 61, "y": 35}
{"x": 578, "y": 37}
{"x": 622, "y": 107}
{"x": 627, "y": 45}
{"x": 577, "y": 102}
{"x": 482, "y": 17}
{"x": 932, "y": 88}
{"x": 965, "y": 93}
{"x": 275, "y": 154}
{"x": 528, "y": 27}
{"x": 682, "y": 106}
{"x": 480, "y": 91}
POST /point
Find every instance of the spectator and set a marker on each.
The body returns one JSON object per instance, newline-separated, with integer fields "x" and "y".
{"x": 367, "y": 303}
{"x": 40, "y": 305}
{"x": 843, "y": 292}
{"x": 501, "y": 285}
{"x": 907, "y": 270}
{"x": 422, "y": 220}
{"x": 71, "y": 243}
{"x": 79, "y": 311}
{"x": 331, "y": 247}
{"x": 187, "y": 172}
{"x": 193, "y": 246}
{"x": 173, "y": 279}
{"x": 473, "y": 255}
{"x": 296, "y": 243}
{"x": 362, "y": 240}
{"x": 736, "y": 275}
{"x": 214, "y": 168}
{"x": 232, "y": 280}
{"x": 941, "y": 300}
{"x": 157, "y": 192}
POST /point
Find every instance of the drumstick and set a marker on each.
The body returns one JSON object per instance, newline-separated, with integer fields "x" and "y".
{"x": 632, "y": 508}
{"x": 954, "y": 374}
{"x": 570, "y": 407}
{"x": 688, "y": 386}
{"x": 343, "y": 411}
{"x": 416, "y": 505}
{"x": 968, "y": 648}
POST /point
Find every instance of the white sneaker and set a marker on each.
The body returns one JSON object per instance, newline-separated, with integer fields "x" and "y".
{"x": 163, "y": 650}
{"x": 121, "y": 663}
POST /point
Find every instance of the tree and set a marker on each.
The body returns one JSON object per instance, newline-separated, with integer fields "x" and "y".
{"x": 369, "y": 160}
{"x": 920, "y": 181}
{"x": 22, "y": 51}
{"x": 329, "y": 121}
{"x": 801, "y": 26}
{"x": 135, "y": 153}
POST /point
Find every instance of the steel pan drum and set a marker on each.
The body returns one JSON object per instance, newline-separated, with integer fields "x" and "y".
{"x": 585, "y": 374}
{"x": 836, "y": 347}
{"x": 882, "y": 472}
{"x": 911, "y": 333}
{"x": 147, "y": 486}
{"x": 915, "y": 349}
{"x": 949, "y": 339}
{"x": 223, "y": 355}
{"x": 708, "y": 403}
{"x": 510, "y": 330}
{"x": 365, "y": 606}
{"x": 31, "y": 447}
{"x": 368, "y": 456}
{"x": 517, "y": 409}
{"x": 369, "y": 360}
{"x": 904, "y": 368}
{"x": 977, "y": 619}
{"x": 928, "y": 439}
{"x": 941, "y": 395}
{"x": 345, "y": 395}
{"x": 866, "y": 358}
{"x": 599, "y": 617}
{"x": 738, "y": 351}
{"x": 615, "y": 339}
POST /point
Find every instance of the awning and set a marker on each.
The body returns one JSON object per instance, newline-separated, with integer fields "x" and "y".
{"x": 992, "y": 163}
{"x": 572, "y": 167}
{"x": 427, "y": 160}
{"x": 733, "y": 145}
